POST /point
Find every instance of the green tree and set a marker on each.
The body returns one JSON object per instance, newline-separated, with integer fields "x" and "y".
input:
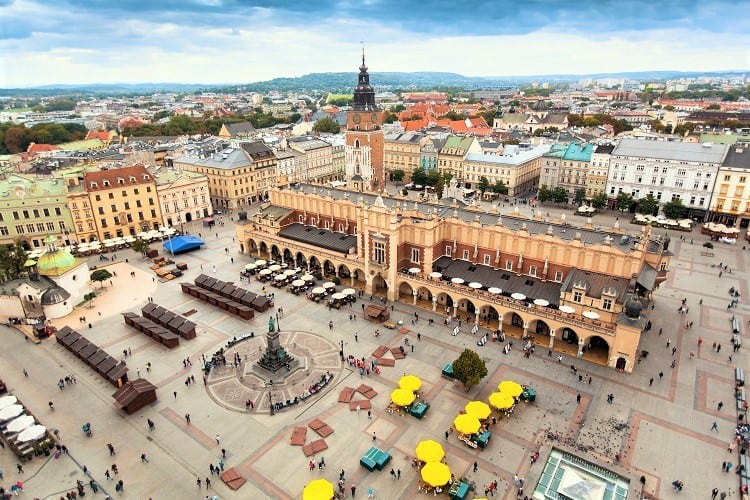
{"x": 599, "y": 201}
{"x": 140, "y": 246}
{"x": 397, "y": 175}
{"x": 624, "y": 200}
{"x": 17, "y": 139}
{"x": 12, "y": 260}
{"x": 499, "y": 187}
{"x": 483, "y": 185}
{"x": 469, "y": 368}
{"x": 440, "y": 187}
{"x": 560, "y": 195}
{"x": 89, "y": 297}
{"x": 579, "y": 197}
{"x": 674, "y": 209}
{"x": 544, "y": 194}
{"x": 419, "y": 176}
{"x": 327, "y": 125}
{"x": 101, "y": 275}
{"x": 452, "y": 115}
{"x": 433, "y": 177}
{"x": 648, "y": 205}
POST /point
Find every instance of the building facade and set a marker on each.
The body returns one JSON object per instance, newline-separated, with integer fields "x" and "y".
{"x": 578, "y": 286}
{"x": 596, "y": 180}
{"x": 33, "y": 209}
{"x": 123, "y": 201}
{"x": 453, "y": 153}
{"x": 183, "y": 196}
{"x": 318, "y": 158}
{"x": 574, "y": 169}
{"x": 549, "y": 173}
{"x": 730, "y": 201}
{"x": 403, "y": 152}
{"x": 666, "y": 170}
{"x": 518, "y": 168}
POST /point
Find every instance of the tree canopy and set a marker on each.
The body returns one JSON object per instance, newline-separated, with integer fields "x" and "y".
{"x": 674, "y": 209}
{"x": 599, "y": 201}
{"x": 624, "y": 200}
{"x": 580, "y": 196}
{"x": 483, "y": 185}
{"x": 100, "y": 275}
{"x": 648, "y": 205}
{"x": 469, "y": 368}
{"x": 12, "y": 259}
{"x": 327, "y": 125}
{"x": 397, "y": 175}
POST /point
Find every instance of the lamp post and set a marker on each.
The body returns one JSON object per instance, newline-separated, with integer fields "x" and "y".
{"x": 341, "y": 350}
{"x": 270, "y": 400}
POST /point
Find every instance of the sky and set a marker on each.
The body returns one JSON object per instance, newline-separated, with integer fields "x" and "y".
{"x": 45, "y": 42}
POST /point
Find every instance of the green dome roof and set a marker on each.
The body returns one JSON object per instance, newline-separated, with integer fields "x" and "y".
{"x": 59, "y": 259}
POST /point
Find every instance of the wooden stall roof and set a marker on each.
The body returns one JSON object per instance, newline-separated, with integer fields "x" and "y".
{"x": 79, "y": 345}
{"x": 97, "y": 358}
{"x": 186, "y": 327}
{"x": 88, "y": 351}
{"x": 157, "y": 313}
{"x": 69, "y": 339}
{"x": 200, "y": 279}
{"x": 106, "y": 365}
{"x": 117, "y": 372}
{"x": 148, "y": 308}
{"x": 228, "y": 289}
{"x": 130, "y": 391}
{"x": 177, "y": 322}
{"x": 165, "y": 318}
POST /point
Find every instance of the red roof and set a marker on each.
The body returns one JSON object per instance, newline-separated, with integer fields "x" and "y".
{"x": 111, "y": 179}
{"x": 41, "y": 148}
{"x": 102, "y": 135}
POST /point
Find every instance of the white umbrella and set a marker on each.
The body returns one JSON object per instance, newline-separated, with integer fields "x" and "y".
{"x": 414, "y": 270}
{"x": 338, "y": 296}
{"x": 541, "y": 302}
{"x": 475, "y": 285}
{"x": 119, "y": 240}
{"x": 260, "y": 263}
{"x": 95, "y": 245}
{"x": 32, "y": 433}
{"x": 518, "y": 296}
{"x": 6, "y": 401}
{"x": 590, "y": 315}
{"x": 349, "y": 291}
{"x": 279, "y": 277}
{"x": 106, "y": 241}
{"x": 329, "y": 284}
{"x": 567, "y": 309}
{"x": 436, "y": 275}
{"x": 142, "y": 235}
{"x": 20, "y": 423}
{"x": 298, "y": 283}
{"x": 249, "y": 267}
{"x": 308, "y": 277}
{"x": 457, "y": 281}
{"x": 265, "y": 272}
{"x": 318, "y": 290}
{"x": 130, "y": 239}
{"x": 495, "y": 290}
{"x": 11, "y": 411}
{"x": 170, "y": 230}
{"x": 290, "y": 272}
{"x": 109, "y": 244}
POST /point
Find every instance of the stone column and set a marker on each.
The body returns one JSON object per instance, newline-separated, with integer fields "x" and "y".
{"x": 580, "y": 347}
{"x": 414, "y": 293}
{"x": 434, "y": 303}
{"x": 525, "y": 329}
{"x": 551, "y": 339}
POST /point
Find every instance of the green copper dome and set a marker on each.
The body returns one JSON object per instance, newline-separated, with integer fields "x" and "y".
{"x": 51, "y": 261}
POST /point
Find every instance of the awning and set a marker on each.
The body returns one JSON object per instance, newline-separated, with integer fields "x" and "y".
{"x": 647, "y": 277}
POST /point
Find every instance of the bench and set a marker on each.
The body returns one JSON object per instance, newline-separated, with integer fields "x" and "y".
{"x": 739, "y": 376}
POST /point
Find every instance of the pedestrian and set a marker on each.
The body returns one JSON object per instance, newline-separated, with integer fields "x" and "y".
{"x": 175, "y": 394}
{"x": 718, "y": 347}
{"x": 356, "y": 338}
{"x": 218, "y": 439}
{"x": 369, "y": 415}
{"x": 111, "y": 449}
{"x": 651, "y": 381}
{"x": 393, "y": 474}
{"x": 714, "y": 492}
{"x": 354, "y": 490}
{"x": 224, "y": 454}
{"x": 715, "y": 426}
{"x": 106, "y": 474}
{"x": 720, "y": 405}
{"x": 373, "y": 437}
{"x": 674, "y": 350}
{"x": 187, "y": 418}
{"x": 25, "y": 373}
{"x": 144, "y": 459}
{"x": 446, "y": 435}
{"x": 476, "y": 466}
{"x": 578, "y": 398}
{"x": 370, "y": 493}
{"x": 661, "y": 330}
{"x": 211, "y": 469}
{"x": 661, "y": 375}
{"x": 20, "y": 468}
{"x": 669, "y": 342}
{"x": 590, "y": 379}
{"x": 198, "y": 482}
{"x": 398, "y": 474}
{"x": 208, "y": 483}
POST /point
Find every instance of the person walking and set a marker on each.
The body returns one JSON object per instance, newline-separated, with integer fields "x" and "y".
{"x": 144, "y": 459}
{"x": 578, "y": 398}
{"x": 476, "y": 466}
{"x": 353, "y": 490}
{"x": 651, "y": 381}
{"x": 715, "y": 426}
{"x": 714, "y": 492}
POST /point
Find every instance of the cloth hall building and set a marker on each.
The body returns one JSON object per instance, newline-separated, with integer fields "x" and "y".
{"x": 571, "y": 289}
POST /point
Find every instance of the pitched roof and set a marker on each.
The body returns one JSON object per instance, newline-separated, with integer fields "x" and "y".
{"x": 596, "y": 283}
{"x": 110, "y": 179}
{"x": 257, "y": 150}
{"x": 578, "y": 152}
{"x": 237, "y": 129}
{"x": 737, "y": 157}
{"x": 323, "y": 238}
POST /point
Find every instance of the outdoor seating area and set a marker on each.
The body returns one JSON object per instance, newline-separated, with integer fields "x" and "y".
{"x": 115, "y": 372}
{"x": 375, "y": 458}
{"x": 21, "y": 431}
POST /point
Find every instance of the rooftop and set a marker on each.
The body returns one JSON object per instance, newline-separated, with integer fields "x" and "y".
{"x": 228, "y": 159}
{"x": 578, "y": 152}
{"x": 511, "y": 156}
{"x": 671, "y": 150}
{"x": 323, "y": 238}
{"x": 737, "y": 157}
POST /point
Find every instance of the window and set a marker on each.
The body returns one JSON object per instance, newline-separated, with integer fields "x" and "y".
{"x": 415, "y": 255}
{"x": 558, "y": 276}
{"x": 379, "y": 252}
{"x": 466, "y": 255}
{"x": 113, "y": 207}
{"x": 607, "y": 304}
{"x": 40, "y": 227}
{"x": 742, "y": 179}
{"x": 327, "y": 224}
{"x": 487, "y": 259}
{"x": 46, "y": 212}
{"x": 577, "y": 296}
{"x": 508, "y": 265}
{"x": 30, "y": 228}
{"x": 111, "y": 196}
{"x": 448, "y": 251}
{"x": 98, "y": 197}
{"x": 15, "y": 215}
{"x": 4, "y": 231}
{"x": 532, "y": 271}
{"x": 727, "y": 178}
{"x": 302, "y": 218}
{"x": 36, "y": 213}
{"x": 25, "y": 214}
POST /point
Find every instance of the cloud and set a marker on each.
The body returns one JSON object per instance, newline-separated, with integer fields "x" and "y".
{"x": 217, "y": 41}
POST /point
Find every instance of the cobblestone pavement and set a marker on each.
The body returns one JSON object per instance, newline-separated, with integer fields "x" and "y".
{"x": 661, "y": 431}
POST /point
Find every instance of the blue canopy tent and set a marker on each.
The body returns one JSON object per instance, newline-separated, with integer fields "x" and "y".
{"x": 180, "y": 244}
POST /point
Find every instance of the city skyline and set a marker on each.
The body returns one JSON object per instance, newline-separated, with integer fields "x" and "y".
{"x": 232, "y": 41}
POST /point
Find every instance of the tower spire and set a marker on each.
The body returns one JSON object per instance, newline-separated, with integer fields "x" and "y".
{"x": 363, "y": 52}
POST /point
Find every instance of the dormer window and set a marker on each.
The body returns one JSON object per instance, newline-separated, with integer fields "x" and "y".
{"x": 131, "y": 179}
{"x": 120, "y": 180}
{"x": 145, "y": 177}
{"x": 94, "y": 185}
{"x": 105, "y": 183}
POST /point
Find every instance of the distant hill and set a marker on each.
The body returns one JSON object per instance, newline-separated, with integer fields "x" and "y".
{"x": 344, "y": 82}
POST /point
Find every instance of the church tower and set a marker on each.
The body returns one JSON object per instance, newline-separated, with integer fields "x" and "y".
{"x": 364, "y": 137}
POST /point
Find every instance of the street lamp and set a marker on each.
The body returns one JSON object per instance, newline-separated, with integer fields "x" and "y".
{"x": 341, "y": 350}
{"x": 270, "y": 400}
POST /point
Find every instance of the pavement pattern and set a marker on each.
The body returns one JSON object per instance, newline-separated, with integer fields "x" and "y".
{"x": 659, "y": 430}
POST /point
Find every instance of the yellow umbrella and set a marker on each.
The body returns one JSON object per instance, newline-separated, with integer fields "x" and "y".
{"x": 501, "y": 400}
{"x": 430, "y": 451}
{"x": 410, "y": 383}
{"x": 479, "y": 409}
{"x": 510, "y": 387}
{"x": 402, "y": 397}
{"x": 320, "y": 489}
{"x": 436, "y": 474}
{"x": 466, "y": 424}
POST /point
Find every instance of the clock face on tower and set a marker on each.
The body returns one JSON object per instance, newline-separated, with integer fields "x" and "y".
{"x": 356, "y": 118}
